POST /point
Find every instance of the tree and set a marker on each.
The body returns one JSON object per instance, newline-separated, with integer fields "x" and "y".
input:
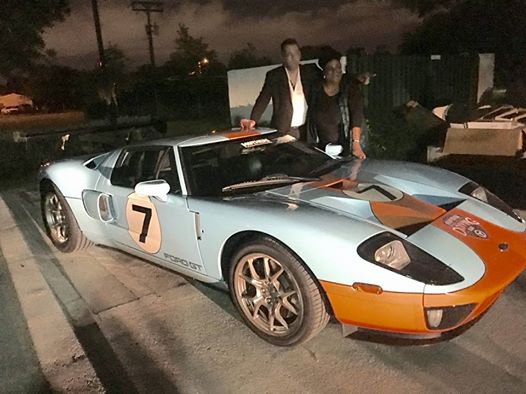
{"x": 190, "y": 54}
{"x": 316, "y": 51}
{"x": 21, "y": 26}
{"x": 247, "y": 57}
{"x": 117, "y": 64}
{"x": 426, "y": 7}
{"x": 473, "y": 26}
{"x": 55, "y": 87}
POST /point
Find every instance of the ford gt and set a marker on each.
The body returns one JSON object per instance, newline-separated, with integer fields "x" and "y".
{"x": 294, "y": 234}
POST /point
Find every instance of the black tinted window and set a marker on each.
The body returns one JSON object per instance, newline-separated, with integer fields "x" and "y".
{"x": 139, "y": 165}
{"x": 211, "y": 167}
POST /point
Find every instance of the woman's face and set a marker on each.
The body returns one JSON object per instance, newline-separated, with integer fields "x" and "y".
{"x": 333, "y": 71}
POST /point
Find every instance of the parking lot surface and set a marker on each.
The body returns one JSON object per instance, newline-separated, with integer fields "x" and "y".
{"x": 100, "y": 320}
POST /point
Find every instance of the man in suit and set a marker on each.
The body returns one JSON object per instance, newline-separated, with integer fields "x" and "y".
{"x": 288, "y": 86}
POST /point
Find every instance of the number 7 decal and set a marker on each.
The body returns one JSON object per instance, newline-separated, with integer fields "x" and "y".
{"x": 147, "y": 217}
{"x": 143, "y": 223}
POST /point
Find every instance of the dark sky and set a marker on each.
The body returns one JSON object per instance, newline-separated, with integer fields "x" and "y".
{"x": 227, "y": 25}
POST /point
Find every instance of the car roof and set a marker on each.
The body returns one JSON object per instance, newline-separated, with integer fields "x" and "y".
{"x": 213, "y": 137}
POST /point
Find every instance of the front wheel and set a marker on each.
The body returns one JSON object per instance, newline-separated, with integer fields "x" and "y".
{"x": 59, "y": 222}
{"x": 274, "y": 293}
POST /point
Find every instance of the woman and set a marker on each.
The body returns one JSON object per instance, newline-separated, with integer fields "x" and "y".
{"x": 335, "y": 116}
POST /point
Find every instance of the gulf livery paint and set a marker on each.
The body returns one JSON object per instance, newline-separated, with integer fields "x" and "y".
{"x": 395, "y": 247}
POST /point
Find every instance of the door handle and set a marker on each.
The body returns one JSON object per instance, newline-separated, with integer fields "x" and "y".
{"x": 197, "y": 225}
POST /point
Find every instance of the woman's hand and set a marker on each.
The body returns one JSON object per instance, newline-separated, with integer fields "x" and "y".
{"x": 357, "y": 150}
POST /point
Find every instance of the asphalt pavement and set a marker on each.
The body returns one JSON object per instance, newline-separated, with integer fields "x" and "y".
{"x": 103, "y": 321}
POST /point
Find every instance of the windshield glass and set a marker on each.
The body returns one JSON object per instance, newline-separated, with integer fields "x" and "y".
{"x": 213, "y": 167}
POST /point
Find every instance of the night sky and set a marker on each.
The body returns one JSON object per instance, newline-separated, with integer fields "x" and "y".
{"x": 227, "y": 25}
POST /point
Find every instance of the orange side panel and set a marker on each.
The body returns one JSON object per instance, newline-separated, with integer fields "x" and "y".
{"x": 388, "y": 311}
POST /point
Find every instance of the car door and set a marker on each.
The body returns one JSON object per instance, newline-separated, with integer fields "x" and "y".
{"x": 163, "y": 231}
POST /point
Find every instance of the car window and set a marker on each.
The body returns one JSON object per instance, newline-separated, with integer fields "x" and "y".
{"x": 209, "y": 168}
{"x": 167, "y": 170}
{"x": 138, "y": 165}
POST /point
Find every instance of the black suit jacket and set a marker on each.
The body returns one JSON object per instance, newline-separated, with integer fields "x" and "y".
{"x": 276, "y": 87}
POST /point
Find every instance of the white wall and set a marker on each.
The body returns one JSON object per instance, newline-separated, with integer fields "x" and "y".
{"x": 243, "y": 89}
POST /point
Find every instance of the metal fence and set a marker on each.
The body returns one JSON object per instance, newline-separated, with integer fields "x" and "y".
{"x": 430, "y": 80}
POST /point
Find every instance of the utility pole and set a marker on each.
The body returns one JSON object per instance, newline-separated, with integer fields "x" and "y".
{"x": 104, "y": 82}
{"x": 148, "y": 7}
{"x": 98, "y": 32}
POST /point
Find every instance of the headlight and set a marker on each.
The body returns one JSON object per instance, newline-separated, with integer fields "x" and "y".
{"x": 396, "y": 254}
{"x": 484, "y": 195}
{"x": 480, "y": 194}
{"x": 393, "y": 255}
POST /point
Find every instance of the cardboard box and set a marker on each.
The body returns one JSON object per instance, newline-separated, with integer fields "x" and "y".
{"x": 484, "y": 141}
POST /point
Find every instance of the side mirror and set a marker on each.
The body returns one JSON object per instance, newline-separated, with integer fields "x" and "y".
{"x": 333, "y": 150}
{"x": 157, "y": 188}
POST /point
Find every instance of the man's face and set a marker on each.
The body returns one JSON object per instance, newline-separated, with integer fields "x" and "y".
{"x": 291, "y": 57}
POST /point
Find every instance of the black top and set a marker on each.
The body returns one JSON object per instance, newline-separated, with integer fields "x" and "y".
{"x": 328, "y": 118}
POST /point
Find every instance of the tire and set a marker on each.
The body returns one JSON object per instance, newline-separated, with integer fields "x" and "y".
{"x": 60, "y": 223}
{"x": 276, "y": 296}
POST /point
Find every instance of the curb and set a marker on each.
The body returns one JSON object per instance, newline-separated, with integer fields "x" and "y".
{"x": 62, "y": 359}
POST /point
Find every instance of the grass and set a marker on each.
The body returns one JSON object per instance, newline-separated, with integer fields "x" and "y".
{"x": 41, "y": 122}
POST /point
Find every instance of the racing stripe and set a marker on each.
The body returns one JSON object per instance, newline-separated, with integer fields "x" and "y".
{"x": 502, "y": 251}
{"x": 405, "y": 213}
{"x": 241, "y": 134}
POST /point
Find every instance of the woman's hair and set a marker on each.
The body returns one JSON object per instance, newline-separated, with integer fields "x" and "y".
{"x": 327, "y": 56}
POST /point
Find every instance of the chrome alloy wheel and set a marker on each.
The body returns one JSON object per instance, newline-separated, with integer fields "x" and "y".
{"x": 56, "y": 218}
{"x": 268, "y": 294}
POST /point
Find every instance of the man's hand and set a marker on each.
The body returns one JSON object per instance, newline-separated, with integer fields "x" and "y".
{"x": 247, "y": 124}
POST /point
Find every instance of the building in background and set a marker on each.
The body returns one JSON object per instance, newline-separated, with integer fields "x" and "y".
{"x": 13, "y": 103}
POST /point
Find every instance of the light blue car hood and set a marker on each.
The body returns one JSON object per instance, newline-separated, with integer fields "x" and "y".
{"x": 392, "y": 194}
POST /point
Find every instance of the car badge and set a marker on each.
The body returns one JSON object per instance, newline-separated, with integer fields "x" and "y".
{"x": 465, "y": 226}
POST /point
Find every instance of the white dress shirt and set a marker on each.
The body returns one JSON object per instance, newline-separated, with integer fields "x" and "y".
{"x": 299, "y": 104}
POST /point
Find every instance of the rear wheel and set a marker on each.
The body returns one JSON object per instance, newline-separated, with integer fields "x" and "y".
{"x": 59, "y": 222}
{"x": 276, "y": 296}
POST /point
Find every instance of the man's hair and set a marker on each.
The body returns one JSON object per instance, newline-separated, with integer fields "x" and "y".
{"x": 287, "y": 42}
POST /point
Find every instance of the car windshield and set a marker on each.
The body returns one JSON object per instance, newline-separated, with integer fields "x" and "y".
{"x": 250, "y": 164}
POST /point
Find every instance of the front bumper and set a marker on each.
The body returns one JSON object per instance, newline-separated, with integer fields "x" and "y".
{"x": 406, "y": 313}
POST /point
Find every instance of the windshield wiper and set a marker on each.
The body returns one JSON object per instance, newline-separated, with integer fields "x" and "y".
{"x": 277, "y": 179}
{"x": 330, "y": 165}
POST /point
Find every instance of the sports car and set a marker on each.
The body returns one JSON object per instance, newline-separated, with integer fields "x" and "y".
{"x": 294, "y": 234}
